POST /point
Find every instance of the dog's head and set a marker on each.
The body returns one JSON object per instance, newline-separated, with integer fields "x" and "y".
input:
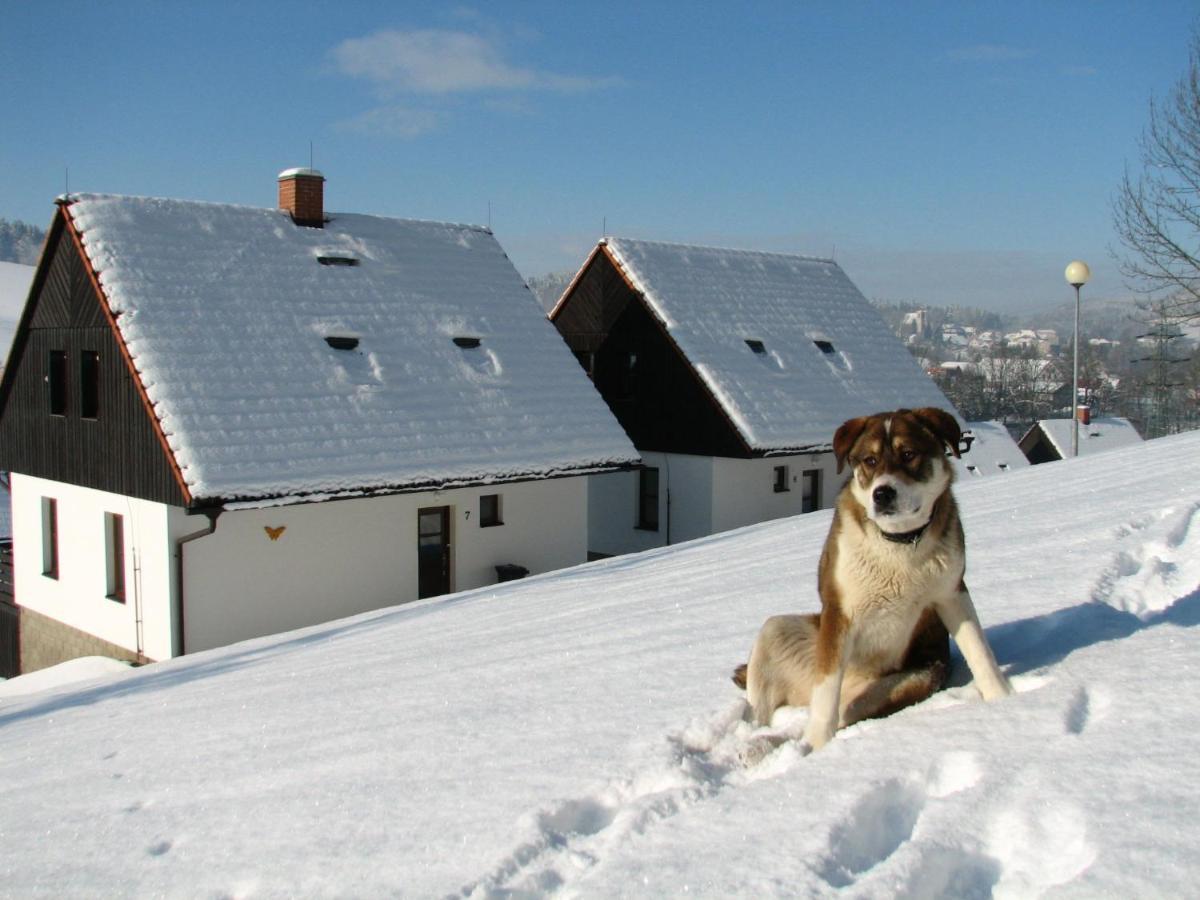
{"x": 899, "y": 464}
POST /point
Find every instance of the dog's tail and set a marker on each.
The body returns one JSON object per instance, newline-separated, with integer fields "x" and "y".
{"x": 739, "y": 676}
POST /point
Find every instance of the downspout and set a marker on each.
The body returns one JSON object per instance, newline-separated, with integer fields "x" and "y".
{"x": 177, "y": 644}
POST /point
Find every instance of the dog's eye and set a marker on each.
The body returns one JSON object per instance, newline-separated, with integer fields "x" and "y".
{"x": 869, "y": 462}
{"x": 907, "y": 455}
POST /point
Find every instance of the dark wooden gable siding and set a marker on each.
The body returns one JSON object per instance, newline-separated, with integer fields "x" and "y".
{"x": 654, "y": 392}
{"x": 120, "y": 450}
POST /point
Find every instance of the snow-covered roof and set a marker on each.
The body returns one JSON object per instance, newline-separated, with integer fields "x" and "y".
{"x": 993, "y": 452}
{"x": 226, "y": 309}
{"x": 823, "y": 353}
{"x": 1098, "y": 435}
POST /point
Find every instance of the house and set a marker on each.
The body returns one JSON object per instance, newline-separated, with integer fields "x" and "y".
{"x": 1050, "y": 439}
{"x": 993, "y": 452}
{"x": 224, "y": 422}
{"x": 730, "y": 370}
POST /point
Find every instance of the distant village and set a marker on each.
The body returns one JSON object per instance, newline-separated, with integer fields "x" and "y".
{"x": 1133, "y": 363}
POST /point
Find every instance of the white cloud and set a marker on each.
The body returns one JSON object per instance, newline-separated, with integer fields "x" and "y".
{"x": 395, "y": 121}
{"x": 989, "y": 53}
{"x": 436, "y": 61}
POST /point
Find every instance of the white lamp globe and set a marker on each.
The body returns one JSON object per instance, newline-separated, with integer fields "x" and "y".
{"x": 1078, "y": 273}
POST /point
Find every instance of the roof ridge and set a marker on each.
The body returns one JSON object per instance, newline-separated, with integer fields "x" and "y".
{"x": 77, "y": 196}
{"x": 719, "y": 249}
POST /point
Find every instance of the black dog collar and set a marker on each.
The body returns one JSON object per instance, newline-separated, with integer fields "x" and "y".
{"x": 905, "y": 537}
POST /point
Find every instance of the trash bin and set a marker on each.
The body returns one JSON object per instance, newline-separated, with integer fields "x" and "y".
{"x": 510, "y": 572}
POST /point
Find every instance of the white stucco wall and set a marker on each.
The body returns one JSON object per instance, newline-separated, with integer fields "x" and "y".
{"x": 744, "y": 489}
{"x": 344, "y": 557}
{"x": 707, "y": 495}
{"x": 78, "y": 596}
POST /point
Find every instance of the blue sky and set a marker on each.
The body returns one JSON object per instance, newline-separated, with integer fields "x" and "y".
{"x": 944, "y": 152}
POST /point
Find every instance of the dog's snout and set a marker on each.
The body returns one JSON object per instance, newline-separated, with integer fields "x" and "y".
{"x": 884, "y": 496}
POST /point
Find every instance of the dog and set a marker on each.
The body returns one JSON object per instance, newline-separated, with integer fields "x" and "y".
{"x": 891, "y": 587}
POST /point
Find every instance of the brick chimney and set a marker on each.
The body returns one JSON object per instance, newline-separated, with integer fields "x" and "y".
{"x": 302, "y": 193}
{"x": 1085, "y": 414}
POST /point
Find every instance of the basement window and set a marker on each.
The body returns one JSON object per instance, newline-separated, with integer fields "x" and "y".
{"x": 467, "y": 343}
{"x": 825, "y": 347}
{"x": 336, "y": 260}
{"x": 756, "y": 345}
{"x": 341, "y": 342}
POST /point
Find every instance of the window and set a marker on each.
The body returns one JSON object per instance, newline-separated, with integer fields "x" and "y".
{"x": 114, "y": 544}
{"x": 824, "y": 346}
{"x": 56, "y": 378}
{"x": 467, "y": 343}
{"x": 342, "y": 341}
{"x": 810, "y": 499}
{"x": 489, "y": 511}
{"x": 648, "y": 499}
{"x": 781, "y": 479}
{"x": 49, "y": 537}
{"x": 89, "y": 384}
{"x": 756, "y": 345}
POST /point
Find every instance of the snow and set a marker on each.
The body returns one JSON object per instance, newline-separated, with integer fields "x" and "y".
{"x": 225, "y": 309}
{"x": 576, "y": 734}
{"x": 14, "y": 288}
{"x": 73, "y": 671}
{"x": 1099, "y": 435}
{"x": 993, "y": 452}
{"x": 793, "y": 395}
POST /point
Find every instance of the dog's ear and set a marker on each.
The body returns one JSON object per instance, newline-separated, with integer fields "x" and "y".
{"x": 943, "y": 425}
{"x": 843, "y": 439}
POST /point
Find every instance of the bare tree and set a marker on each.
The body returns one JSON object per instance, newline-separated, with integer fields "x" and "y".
{"x": 1157, "y": 213}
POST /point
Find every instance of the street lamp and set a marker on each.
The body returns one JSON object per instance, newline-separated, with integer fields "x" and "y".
{"x": 1077, "y": 274}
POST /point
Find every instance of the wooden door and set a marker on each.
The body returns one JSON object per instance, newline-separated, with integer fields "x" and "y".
{"x": 433, "y": 551}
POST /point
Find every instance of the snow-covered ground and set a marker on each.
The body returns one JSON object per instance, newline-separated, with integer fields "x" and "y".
{"x": 577, "y": 733}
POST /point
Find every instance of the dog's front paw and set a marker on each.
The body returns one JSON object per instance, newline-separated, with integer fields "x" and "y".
{"x": 817, "y": 735}
{"x": 757, "y": 749}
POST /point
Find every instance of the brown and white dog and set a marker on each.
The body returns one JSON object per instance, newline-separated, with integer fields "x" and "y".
{"x": 891, "y": 586}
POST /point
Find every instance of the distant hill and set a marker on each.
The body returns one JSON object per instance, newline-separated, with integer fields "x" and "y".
{"x": 548, "y": 288}
{"x": 20, "y": 242}
{"x": 14, "y": 286}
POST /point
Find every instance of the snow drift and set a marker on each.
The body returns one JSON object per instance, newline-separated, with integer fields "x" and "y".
{"x": 577, "y": 733}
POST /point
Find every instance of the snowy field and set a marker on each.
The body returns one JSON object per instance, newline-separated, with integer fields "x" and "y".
{"x": 577, "y": 733}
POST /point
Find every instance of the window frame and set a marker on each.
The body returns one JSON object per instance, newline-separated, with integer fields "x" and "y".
{"x": 50, "y": 557}
{"x": 782, "y": 479}
{"x": 491, "y": 518}
{"x": 114, "y": 557}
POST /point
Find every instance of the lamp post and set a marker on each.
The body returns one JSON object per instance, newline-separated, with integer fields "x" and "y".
{"x": 1077, "y": 274}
